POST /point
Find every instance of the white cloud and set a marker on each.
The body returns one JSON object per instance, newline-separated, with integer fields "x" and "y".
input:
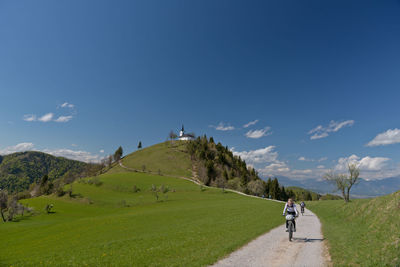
{"x": 320, "y": 167}
{"x": 30, "y": 117}
{"x": 101, "y": 150}
{"x": 386, "y": 138}
{"x": 312, "y": 160}
{"x": 307, "y": 171}
{"x": 63, "y": 119}
{"x": 250, "y": 123}
{"x": 73, "y": 154}
{"x": 262, "y": 155}
{"x": 258, "y": 133}
{"x": 50, "y": 116}
{"x": 67, "y": 153}
{"x": 334, "y": 126}
{"x": 365, "y": 164}
{"x": 46, "y": 117}
{"x": 67, "y": 105}
{"x": 222, "y": 127}
{"x": 267, "y": 158}
{"x": 273, "y": 169}
{"x": 319, "y": 136}
{"x": 17, "y": 148}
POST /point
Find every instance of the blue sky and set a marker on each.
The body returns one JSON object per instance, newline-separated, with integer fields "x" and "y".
{"x": 118, "y": 72}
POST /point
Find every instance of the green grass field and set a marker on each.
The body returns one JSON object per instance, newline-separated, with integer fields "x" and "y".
{"x": 112, "y": 226}
{"x": 364, "y": 232}
{"x": 169, "y": 158}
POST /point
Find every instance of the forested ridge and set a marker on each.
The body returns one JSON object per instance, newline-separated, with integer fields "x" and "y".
{"x": 19, "y": 170}
{"x": 216, "y": 165}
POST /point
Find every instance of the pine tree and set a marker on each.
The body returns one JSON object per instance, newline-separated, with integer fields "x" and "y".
{"x": 139, "y": 145}
{"x": 118, "y": 154}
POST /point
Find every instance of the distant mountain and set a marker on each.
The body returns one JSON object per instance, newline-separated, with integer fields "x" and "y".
{"x": 19, "y": 170}
{"x": 363, "y": 189}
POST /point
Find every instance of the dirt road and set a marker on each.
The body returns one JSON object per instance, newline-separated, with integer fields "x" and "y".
{"x": 274, "y": 248}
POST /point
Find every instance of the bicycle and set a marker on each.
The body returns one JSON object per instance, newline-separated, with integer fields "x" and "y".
{"x": 290, "y": 219}
{"x": 302, "y": 211}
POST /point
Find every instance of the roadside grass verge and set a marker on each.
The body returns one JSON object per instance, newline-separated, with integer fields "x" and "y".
{"x": 190, "y": 227}
{"x": 363, "y": 232}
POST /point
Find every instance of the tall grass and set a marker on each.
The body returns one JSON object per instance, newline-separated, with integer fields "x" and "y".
{"x": 363, "y": 232}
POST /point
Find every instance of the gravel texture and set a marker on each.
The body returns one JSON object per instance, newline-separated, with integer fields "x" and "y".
{"x": 274, "y": 248}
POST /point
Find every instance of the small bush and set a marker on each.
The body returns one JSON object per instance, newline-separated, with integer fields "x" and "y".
{"x": 135, "y": 189}
{"x": 94, "y": 181}
{"x": 123, "y": 203}
{"x": 60, "y": 192}
{"x": 48, "y": 208}
{"x": 23, "y": 195}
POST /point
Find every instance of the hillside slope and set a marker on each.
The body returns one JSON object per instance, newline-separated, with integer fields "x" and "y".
{"x": 19, "y": 170}
{"x": 363, "y": 232}
{"x": 202, "y": 159}
{"x": 168, "y": 158}
{"x": 112, "y": 225}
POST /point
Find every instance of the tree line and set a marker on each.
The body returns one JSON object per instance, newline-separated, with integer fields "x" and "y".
{"x": 217, "y": 166}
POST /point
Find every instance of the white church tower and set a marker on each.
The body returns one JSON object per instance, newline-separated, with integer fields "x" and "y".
{"x": 185, "y": 137}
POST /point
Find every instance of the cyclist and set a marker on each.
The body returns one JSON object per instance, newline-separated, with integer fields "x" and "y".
{"x": 290, "y": 208}
{"x": 302, "y": 205}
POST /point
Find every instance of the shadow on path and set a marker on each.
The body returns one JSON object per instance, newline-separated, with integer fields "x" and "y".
{"x": 308, "y": 240}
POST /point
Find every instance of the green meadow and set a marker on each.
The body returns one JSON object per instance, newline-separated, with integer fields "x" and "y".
{"x": 111, "y": 225}
{"x": 170, "y": 158}
{"x": 363, "y": 232}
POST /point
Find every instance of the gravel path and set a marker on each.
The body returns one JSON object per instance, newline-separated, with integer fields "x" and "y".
{"x": 274, "y": 248}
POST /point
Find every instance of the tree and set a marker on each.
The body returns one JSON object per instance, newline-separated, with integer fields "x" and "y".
{"x": 118, "y": 154}
{"x": 344, "y": 182}
{"x": 275, "y": 191}
{"x": 3, "y": 203}
{"x": 256, "y": 187}
{"x": 109, "y": 161}
{"x": 172, "y": 135}
{"x": 283, "y": 194}
{"x": 139, "y": 145}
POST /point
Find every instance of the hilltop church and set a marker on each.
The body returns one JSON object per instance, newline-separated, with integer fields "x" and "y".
{"x": 185, "y": 137}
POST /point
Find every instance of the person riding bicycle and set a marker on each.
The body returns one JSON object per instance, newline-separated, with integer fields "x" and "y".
{"x": 302, "y": 205}
{"x": 290, "y": 208}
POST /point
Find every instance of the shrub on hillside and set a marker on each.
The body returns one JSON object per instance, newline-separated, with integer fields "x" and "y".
{"x": 94, "y": 181}
{"x": 235, "y": 184}
{"x": 135, "y": 189}
{"x": 256, "y": 187}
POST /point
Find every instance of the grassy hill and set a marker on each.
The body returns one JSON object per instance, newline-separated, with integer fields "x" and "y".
{"x": 167, "y": 158}
{"x": 112, "y": 225}
{"x": 363, "y": 232}
{"x": 19, "y": 170}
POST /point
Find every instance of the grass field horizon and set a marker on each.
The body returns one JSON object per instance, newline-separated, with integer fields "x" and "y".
{"x": 112, "y": 225}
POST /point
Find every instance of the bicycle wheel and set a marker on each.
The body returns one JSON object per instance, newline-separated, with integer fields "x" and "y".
{"x": 290, "y": 228}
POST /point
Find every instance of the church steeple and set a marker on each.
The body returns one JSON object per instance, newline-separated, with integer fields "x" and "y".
{"x": 183, "y": 129}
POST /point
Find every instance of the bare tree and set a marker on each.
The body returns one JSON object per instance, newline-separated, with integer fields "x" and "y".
{"x": 109, "y": 161}
{"x": 172, "y": 136}
{"x": 344, "y": 182}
